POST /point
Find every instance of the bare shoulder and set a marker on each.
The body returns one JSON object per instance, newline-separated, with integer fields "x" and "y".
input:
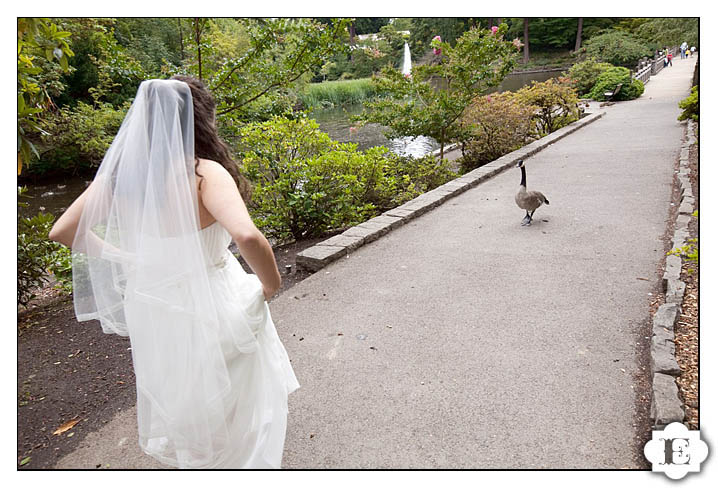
{"x": 211, "y": 169}
{"x": 211, "y": 174}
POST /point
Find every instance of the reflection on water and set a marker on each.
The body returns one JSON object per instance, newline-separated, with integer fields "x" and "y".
{"x": 336, "y": 123}
{"x": 56, "y": 197}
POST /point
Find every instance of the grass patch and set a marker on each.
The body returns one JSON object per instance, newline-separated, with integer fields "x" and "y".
{"x": 338, "y": 92}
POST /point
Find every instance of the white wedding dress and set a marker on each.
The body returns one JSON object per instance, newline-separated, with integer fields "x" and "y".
{"x": 212, "y": 375}
{"x": 256, "y": 407}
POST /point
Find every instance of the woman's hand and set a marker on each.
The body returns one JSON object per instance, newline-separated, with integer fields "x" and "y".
{"x": 268, "y": 293}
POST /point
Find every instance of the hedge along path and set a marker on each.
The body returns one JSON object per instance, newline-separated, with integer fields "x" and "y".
{"x": 322, "y": 254}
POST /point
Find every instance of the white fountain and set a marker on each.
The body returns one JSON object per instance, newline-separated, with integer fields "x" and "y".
{"x": 406, "y": 70}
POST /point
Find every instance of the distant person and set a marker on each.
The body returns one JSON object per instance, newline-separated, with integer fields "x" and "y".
{"x": 669, "y": 58}
{"x": 684, "y": 47}
{"x": 693, "y": 50}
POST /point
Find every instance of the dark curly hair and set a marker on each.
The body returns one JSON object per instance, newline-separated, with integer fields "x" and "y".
{"x": 207, "y": 144}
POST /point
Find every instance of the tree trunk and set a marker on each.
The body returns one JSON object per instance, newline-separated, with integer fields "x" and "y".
{"x": 198, "y": 40}
{"x": 441, "y": 151}
{"x": 579, "y": 32}
{"x": 352, "y": 41}
{"x": 181, "y": 38}
{"x": 498, "y": 21}
{"x": 491, "y": 22}
{"x": 526, "y": 40}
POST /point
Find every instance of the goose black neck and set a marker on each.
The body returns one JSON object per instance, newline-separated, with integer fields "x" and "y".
{"x": 523, "y": 176}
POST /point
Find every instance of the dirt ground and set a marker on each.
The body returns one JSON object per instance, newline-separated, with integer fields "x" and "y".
{"x": 69, "y": 371}
{"x": 686, "y": 330}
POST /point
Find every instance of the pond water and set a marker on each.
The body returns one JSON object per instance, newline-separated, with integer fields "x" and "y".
{"x": 336, "y": 123}
{"x": 56, "y": 196}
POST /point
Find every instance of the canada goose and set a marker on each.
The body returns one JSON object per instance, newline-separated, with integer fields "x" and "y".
{"x": 530, "y": 201}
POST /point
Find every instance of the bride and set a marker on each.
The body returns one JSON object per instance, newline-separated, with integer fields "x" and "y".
{"x": 150, "y": 261}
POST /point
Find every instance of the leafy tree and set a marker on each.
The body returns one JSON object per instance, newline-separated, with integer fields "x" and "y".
{"x": 664, "y": 31}
{"x": 425, "y": 28}
{"x": 497, "y": 124}
{"x": 583, "y": 75}
{"x": 618, "y": 48}
{"x": 551, "y": 33}
{"x": 402, "y": 23}
{"x": 279, "y": 53}
{"x": 154, "y": 42}
{"x": 370, "y": 25}
{"x": 431, "y": 101}
{"x": 36, "y": 37}
{"x": 103, "y": 68}
{"x": 556, "y": 103}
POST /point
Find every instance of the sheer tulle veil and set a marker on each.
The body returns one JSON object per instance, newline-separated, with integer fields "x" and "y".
{"x": 139, "y": 268}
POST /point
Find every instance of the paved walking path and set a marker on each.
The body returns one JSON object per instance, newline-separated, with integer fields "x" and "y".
{"x": 463, "y": 340}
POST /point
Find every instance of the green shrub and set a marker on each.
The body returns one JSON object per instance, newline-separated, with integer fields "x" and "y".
{"x": 37, "y": 255}
{"x": 401, "y": 178}
{"x": 618, "y": 48}
{"x": 78, "y": 137}
{"x": 609, "y": 79}
{"x": 497, "y": 124}
{"x": 634, "y": 90}
{"x": 305, "y": 184}
{"x": 689, "y": 106}
{"x": 583, "y": 75}
{"x": 556, "y": 104}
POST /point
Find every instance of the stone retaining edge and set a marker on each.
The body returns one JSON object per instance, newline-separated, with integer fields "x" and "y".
{"x": 666, "y": 406}
{"x": 322, "y": 254}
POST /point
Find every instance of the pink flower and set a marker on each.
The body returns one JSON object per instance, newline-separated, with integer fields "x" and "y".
{"x": 352, "y": 129}
{"x": 407, "y": 75}
{"x": 434, "y": 42}
{"x": 494, "y": 29}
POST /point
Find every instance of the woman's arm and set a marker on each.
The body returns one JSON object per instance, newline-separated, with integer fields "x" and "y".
{"x": 220, "y": 196}
{"x": 64, "y": 229}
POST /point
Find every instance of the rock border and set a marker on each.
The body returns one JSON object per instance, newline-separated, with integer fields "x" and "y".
{"x": 322, "y": 254}
{"x": 666, "y": 405}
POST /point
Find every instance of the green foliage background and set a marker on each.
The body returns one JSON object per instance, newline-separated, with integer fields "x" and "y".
{"x": 77, "y": 77}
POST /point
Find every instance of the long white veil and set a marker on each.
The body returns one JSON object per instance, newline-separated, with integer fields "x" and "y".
{"x": 139, "y": 268}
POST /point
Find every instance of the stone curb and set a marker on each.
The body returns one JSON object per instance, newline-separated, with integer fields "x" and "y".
{"x": 666, "y": 406}
{"x": 322, "y": 254}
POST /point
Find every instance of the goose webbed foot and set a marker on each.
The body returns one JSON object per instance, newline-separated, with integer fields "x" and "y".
{"x": 526, "y": 221}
